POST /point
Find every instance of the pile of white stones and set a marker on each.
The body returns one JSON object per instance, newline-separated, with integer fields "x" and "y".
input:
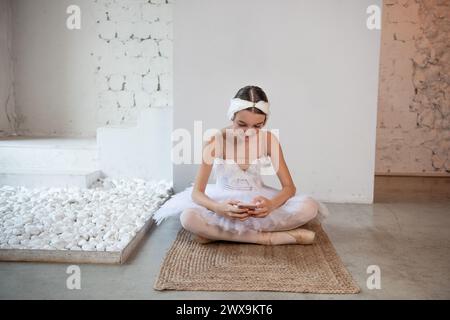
{"x": 104, "y": 217}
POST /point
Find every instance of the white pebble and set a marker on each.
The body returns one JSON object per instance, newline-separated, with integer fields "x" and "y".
{"x": 32, "y": 230}
{"x": 104, "y": 217}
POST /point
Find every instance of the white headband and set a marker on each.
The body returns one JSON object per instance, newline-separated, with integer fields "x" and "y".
{"x": 237, "y": 104}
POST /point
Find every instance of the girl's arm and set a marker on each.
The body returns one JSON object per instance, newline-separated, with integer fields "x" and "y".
{"x": 201, "y": 180}
{"x": 288, "y": 187}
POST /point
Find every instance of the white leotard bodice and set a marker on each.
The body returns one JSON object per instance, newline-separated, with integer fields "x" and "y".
{"x": 229, "y": 175}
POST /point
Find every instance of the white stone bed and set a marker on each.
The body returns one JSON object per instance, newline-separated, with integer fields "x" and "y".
{"x": 104, "y": 218}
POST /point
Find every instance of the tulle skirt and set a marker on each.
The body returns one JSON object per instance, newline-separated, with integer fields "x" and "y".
{"x": 279, "y": 219}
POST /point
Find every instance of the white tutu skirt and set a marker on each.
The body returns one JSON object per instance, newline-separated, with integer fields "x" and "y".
{"x": 279, "y": 219}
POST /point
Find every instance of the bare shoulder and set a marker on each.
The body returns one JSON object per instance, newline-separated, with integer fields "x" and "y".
{"x": 272, "y": 142}
{"x": 224, "y": 131}
{"x": 212, "y": 145}
{"x": 272, "y": 137}
{"x": 219, "y": 135}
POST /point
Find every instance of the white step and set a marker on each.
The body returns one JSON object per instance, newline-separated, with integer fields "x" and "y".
{"x": 36, "y": 178}
{"x": 48, "y": 162}
{"x": 52, "y": 153}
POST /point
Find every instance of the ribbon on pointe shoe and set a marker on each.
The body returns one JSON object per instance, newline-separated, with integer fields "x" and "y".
{"x": 302, "y": 236}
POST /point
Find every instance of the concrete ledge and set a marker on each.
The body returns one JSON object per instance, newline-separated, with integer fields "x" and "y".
{"x": 68, "y": 256}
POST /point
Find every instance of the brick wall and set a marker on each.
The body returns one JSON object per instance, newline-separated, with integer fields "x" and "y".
{"x": 413, "y": 133}
{"x": 134, "y": 58}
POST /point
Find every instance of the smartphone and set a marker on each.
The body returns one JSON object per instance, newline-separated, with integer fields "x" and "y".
{"x": 251, "y": 206}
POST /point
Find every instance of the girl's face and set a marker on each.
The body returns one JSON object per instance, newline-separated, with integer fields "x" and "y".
{"x": 245, "y": 120}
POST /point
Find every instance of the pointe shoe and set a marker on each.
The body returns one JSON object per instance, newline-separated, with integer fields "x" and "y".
{"x": 201, "y": 240}
{"x": 302, "y": 236}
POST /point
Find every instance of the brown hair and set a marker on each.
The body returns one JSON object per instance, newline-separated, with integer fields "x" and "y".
{"x": 253, "y": 94}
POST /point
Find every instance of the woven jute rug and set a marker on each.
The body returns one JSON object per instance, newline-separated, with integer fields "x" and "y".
{"x": 232, "y": 266}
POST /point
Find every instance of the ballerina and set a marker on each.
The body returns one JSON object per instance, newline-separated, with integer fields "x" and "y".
{"x": 239, "y": 207}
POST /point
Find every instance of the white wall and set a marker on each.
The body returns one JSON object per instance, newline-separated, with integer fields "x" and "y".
{"x": 142, "y": 151}
{"x": 7, "y": 102}
{"x": 318, "y": 64}
{"x": 54, "y": 71}
{"x": 70, "y": 82}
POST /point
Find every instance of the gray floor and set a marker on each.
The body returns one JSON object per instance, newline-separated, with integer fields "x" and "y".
{"x": 410, "y": 242}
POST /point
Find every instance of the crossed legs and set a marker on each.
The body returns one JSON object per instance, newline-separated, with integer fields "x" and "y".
{"x": 193, "y": 221}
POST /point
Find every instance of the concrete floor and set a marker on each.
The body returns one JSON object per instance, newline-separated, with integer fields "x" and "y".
{"x": 410, "y": 242}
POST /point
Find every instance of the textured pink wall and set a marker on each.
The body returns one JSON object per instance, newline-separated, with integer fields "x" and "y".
{"x": 413, "y": 129}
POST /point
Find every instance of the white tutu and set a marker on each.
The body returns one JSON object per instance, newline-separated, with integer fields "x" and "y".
{"x": 233, "y": 183}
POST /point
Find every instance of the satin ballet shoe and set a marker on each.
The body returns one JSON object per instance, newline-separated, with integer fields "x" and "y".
{"x": 201, "y": 240}
{"x": 302, "y": 236}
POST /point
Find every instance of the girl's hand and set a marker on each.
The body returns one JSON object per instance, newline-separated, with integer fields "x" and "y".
{"x": 263, "y": 209}
{"x": 229, "y": 209}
